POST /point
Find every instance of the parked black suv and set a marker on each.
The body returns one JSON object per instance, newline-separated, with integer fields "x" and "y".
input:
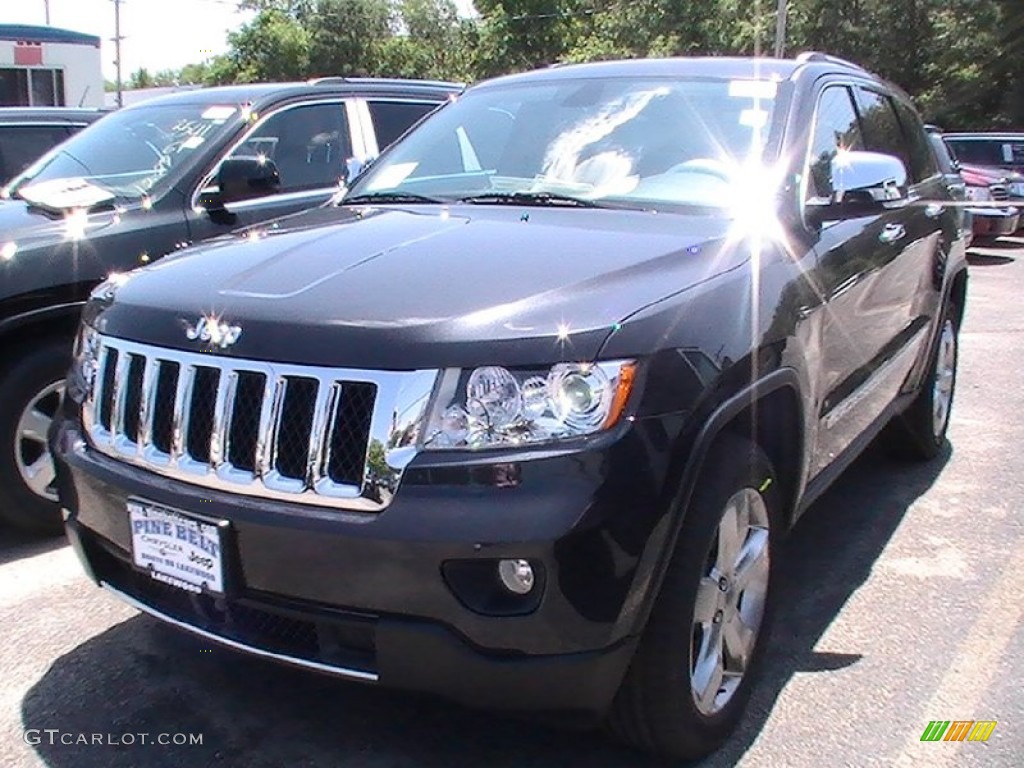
{"x": 26, "y": 133}
{"x": 137, "y": 185}
{"x": 522, "y": 419}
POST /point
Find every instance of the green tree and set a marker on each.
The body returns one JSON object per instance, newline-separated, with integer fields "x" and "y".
{"x": 140, "y": 78}
{"x": 272, "y": 47}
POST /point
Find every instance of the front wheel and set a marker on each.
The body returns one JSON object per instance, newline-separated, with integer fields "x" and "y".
{"x": 692, "y": 674}
{"x": 33, "y": 391}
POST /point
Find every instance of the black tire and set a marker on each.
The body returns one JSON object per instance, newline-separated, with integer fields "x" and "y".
{"x": 656, "y": 708}
{"x": 914, "y": 434}
{"x": 30, "y": 373}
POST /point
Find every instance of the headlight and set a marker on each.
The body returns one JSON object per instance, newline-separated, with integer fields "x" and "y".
{"x": 84, "y": 363}
{"x": 492, "y": 406}
{"x": 978, "y": 193}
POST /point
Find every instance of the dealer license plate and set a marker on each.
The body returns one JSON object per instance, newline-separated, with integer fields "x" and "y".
{"x": 176, "y": 549}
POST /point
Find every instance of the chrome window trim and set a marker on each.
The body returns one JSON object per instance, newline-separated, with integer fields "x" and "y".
{"x": 46, "y": 124}
{"x": 399, "y": 411}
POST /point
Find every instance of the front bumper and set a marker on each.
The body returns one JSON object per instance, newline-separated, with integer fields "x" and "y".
{"x": 994, "y": 222}
{"x": 370, "y": 597}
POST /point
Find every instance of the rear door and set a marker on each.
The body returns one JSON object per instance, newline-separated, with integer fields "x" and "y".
{"x": 870, "y": 269}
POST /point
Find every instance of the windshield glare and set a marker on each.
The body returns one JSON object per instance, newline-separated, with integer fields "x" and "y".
{"x": 128, "y": 153}
{"x": 615, "y": 140}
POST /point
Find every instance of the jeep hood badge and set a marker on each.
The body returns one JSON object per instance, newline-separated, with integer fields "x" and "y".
{"x": 213, "y": 330}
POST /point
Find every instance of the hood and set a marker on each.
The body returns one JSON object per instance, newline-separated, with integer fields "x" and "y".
{"x": 38, "y": 246}
{"x": 28, "y": 224}
{"x": 983, "y": 175}
{"x": 423, "y": 286}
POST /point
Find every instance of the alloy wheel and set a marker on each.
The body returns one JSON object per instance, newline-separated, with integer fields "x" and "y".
{"x": 945, "y": 376}
{"x": 730, "y": 602}
{"x": 31, "y": 450}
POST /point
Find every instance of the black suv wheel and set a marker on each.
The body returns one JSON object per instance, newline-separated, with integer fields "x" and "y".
{"x": 920, "y": 431}
{"x": 687, "y": 685}
{"x": 33, "y": 388}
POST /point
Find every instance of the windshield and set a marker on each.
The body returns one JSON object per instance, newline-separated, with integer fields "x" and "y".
{"x": 625, "y": 141}
{"x": 1003, "y": 153}
{"x": 123, "y": 156}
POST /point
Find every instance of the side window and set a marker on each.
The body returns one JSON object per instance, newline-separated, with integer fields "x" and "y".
{"x": 22, "y": 145}
{"x": 393, "y": 118}
{"x": 835, "y": 128}
{"x": 308, "y": 144}
{"x": 922, "y": 158}
{"x": 942, "y": 154}
{"x": 882, "y": 130}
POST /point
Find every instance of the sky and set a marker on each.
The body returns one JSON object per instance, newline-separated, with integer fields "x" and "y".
{"x": 159, "y": 34}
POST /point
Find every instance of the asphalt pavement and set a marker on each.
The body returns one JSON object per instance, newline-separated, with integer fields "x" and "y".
{"x": 902, "y": 600}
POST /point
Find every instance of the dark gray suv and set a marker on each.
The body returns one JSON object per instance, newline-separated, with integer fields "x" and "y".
{"x": 523, "y": 418}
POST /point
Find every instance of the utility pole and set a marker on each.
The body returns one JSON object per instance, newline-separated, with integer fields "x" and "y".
{"x": 117, "y": 51}
{"x": 46, "y": 4}
{"x": 780, "y": 29}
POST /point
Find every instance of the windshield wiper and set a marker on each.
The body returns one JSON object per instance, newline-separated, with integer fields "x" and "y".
{"x": 389, "y": 197}
{"x": 529, "y": 198}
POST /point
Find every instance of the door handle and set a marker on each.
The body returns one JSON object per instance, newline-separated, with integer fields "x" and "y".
{"x": 933, "y": 210}
{"x": 892, "y": 232}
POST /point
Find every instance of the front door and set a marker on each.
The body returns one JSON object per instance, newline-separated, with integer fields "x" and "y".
{"x": 310, "y": 143}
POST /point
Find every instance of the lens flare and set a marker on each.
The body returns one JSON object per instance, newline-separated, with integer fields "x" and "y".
{"x": 75, "y": 223}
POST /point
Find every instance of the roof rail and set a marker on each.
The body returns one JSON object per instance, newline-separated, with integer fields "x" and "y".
{"x": 340, "y": 80}
{"x": 809, "y": 56}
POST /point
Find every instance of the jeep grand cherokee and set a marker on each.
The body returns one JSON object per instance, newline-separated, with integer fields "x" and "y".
{"x": 522, "y": 417}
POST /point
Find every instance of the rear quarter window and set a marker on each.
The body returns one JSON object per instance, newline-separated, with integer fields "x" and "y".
{"x": 22, "y": 145}
{"x": 393, "y": 118}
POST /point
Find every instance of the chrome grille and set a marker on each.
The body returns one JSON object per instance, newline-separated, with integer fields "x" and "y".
{"x": 263, "y": 429}
{"x": 999, "y": 192}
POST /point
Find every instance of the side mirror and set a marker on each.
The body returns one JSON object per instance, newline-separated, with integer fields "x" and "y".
{"x": 243, "y": 178}
{"x": 865, "y": 183}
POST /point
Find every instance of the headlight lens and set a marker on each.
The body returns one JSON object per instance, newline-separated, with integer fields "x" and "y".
{"x": 84, "y": 363}
{"x": 493, "y": 406}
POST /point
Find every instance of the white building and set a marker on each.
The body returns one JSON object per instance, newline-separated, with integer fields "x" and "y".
{"x": 49, "y": 67}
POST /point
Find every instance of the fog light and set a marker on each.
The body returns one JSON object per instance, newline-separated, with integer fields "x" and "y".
{"x": 516, "y": 575}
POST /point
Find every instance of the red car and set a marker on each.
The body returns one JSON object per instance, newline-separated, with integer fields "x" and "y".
{"x": 994, "y": 217}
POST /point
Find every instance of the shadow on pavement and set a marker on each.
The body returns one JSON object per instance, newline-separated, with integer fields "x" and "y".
{"x": 15, "y": 545}
{"x": 140, "y": 676}
{"x": 978, "y": 259}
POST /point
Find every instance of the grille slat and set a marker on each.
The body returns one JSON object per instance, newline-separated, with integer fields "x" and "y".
{"x": 294, "y": 428}
{"x": 200, "y": 413}
{"x": 105, "y": 399}
{"x": 133, "y": 399}
{"x": 245, "y": 420}
{"x": 350, "y": 434}
{"x": 236, "y": 424}
{"x": 163, "y": 406}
